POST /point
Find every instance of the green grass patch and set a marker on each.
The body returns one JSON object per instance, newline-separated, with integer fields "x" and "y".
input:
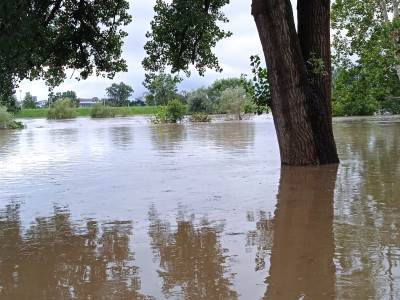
{"x": 85, "y": 111}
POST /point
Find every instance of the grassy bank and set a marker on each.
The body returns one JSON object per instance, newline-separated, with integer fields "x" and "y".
{"x": 85, "y": 112}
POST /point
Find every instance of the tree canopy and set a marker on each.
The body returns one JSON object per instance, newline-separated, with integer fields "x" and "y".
{"x": 29, "y": 101}
{"x": 184, "y": 33}
{"x": 161, "y": 88}
{"x": 119, "y": 94}
{"x": 366, "y": 56}
{"x": 61, "y": 95}
{"x": 44, "y": 38}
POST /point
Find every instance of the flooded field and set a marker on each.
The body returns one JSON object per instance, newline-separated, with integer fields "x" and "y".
{"x": 121, "y": 209}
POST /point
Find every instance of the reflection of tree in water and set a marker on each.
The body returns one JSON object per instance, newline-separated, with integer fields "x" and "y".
{"x": 261, "y": 238}
{"x": 168, "y": 137}
{"x": 54, "y": 259}
{"x": 121, "y": 136}
{"x": 303, "y": 244}
{"x": 191, "y": 259}
{"x": 368, "y": 211}
{"x": 370, "y": 152}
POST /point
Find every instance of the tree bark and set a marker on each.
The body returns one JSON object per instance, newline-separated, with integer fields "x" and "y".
{"x": 287, "y": 77}
{"x": 315, "y": 42}
{"x": 301, "y": 112}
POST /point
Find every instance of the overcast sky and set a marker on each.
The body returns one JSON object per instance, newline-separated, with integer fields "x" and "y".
{"x": 233, "y": 54}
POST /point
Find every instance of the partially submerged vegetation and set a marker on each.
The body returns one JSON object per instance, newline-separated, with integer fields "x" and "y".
{"x": 62, "y": 109}
{"x": 200, "y": 117}
{"x": 7, "y": 120}
{"x": 102, "y": 111}
{"x": 173, "y": 112}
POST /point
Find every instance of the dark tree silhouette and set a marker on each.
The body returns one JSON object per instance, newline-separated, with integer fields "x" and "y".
{"x": 190, "y": 258}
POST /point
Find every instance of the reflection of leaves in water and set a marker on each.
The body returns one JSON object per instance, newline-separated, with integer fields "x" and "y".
{"x": 260, "y": 238}
{"x": 368, "y": 210}
{"x": 121, "y": 136}
{"x": 168, "y": 137}
{"x": 55, "y": 259}
{"x": 190, "y": 258}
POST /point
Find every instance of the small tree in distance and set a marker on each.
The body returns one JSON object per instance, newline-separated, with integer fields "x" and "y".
{"x": 119, "y": 94}
{"x": 61, "y": 95}
{"x": 199, "y": 102}
{"x": 233, "y": 101}
{"x": 161, "y": 88}
{"x": 29, "y": 101}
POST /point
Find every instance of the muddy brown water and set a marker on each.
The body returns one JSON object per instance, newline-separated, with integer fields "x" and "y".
{"x": 121, "y": 209}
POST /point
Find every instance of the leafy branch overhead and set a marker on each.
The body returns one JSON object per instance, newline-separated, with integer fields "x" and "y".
{"x": 44, "y": 38}
{"x": 183, "y": 33}
{"x": 258, "y": 87}
{"x": 366, "y": 44}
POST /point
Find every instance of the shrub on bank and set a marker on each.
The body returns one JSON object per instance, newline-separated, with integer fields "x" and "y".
{"x": 101, "y": 111}
{"x": 200, "y": 117}
{"x": 391, "y": 105}
{"x": 7, "y": 120}
{"x": 160, "y": 116}
{"x": 62, "y": 109}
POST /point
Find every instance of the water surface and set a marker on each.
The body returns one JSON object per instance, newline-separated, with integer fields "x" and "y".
{"x": 121, "y": 209}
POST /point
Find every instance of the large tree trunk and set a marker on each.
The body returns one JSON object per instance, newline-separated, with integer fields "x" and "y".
{"x": 301, "y": 113}
{"x": 287, "y": 77}
{"x": 314, "y": 36}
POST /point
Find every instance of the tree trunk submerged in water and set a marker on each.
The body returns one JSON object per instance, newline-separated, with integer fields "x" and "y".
{"x": 300, "y": 102}
{"x": 315, "y": 42}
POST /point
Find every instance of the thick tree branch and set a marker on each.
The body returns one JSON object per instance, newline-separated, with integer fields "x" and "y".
{"x": 395, "y": 9}
{"x": 56, "y": 7}
{"x": 384, "y": 10}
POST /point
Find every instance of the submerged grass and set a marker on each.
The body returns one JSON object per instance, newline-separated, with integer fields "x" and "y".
{"x": 86, "y": 111}
{"x": 101, "y": 111}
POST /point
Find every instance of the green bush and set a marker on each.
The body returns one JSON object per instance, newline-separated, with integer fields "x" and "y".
{"x": 250, "y": 107}
{"x": 200, "y": 117}
{"x": 355, "y": 106}
{"x": 391, "y": 105}
{"x": 101, "y": 111}
{"x": 160, "y": 115}
{"x": 62, "y": 109}
{"x": 122, "y": 111}
{"x": 175, "y": 111}
{"x": 172, "y": 113}
{"x": 7, "y": 120}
